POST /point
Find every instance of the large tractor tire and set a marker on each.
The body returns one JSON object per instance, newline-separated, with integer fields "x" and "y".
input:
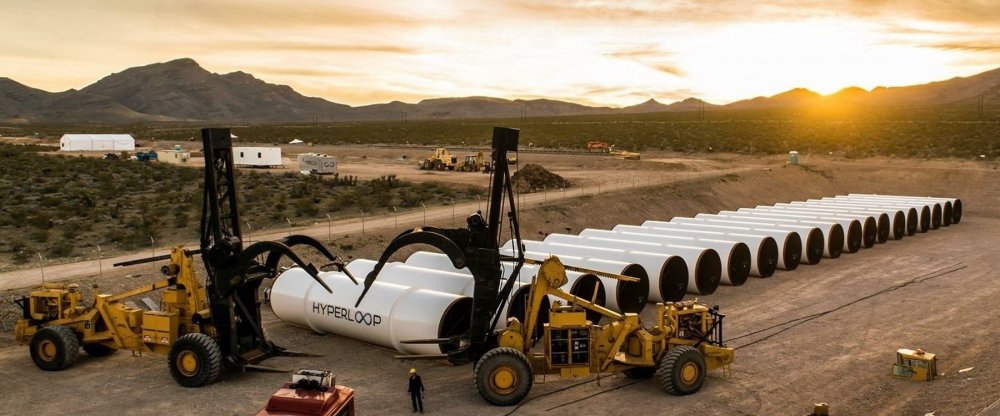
{"x": 195, "y": 360}
{"x": 54, "y": 348}
{"x": 99, "y": 350}
{"x": 425, "y": 165}
{"x": 682, "y": 370}
{"x": 503, "y": 376}
{"x": 438, "y": 165}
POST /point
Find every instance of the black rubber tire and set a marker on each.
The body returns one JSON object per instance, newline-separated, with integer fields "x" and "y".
{"x": 208, "y": 360}
{"x": 63, "y": 345}
{"x": 673, "y": 363}
{"x": 515, "y": 364}
{"x": 99, "y": 350}
{"x": 640, "y": 373}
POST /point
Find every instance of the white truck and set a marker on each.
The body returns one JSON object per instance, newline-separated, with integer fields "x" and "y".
{"x": 317, "y": 164}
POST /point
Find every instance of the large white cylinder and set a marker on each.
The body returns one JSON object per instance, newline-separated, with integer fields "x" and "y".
{"x": 389, "y": 314}
{"x": 763, "y": 249}
{"x": 855, "y": 233}
{"x": 736, "y": 258}
{"x": 789, "y": 244}
{"x": 954, "y": 212}
{"x": 936, "y": 208}
{"x": 883, "y": 223}
{"x": 622, "y": 296}
{"x": 583, "y": 285}
{"x": 703, "y": 269}
{"x": 813, "y": 241}
{"x": 837, "y": 236}
{"x": 869, "y": 223}
{"x": 908, "y": 216}
{"x": 920, "y": 214}
{"x": 833, "y": 233}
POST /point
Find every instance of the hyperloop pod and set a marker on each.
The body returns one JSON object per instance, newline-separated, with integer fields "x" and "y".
{"x": 734, "y": 256}
{"x": 920, "y": 213}
{"x": 584, "y": 285}
{"x": 703, "y": 266}
{"x": 788, "y": 242}
{"x": 857, "y": 233}
{"x": 760, "y": 248}
{"x": 952, "y": 206}
{"x": 833, "y": 233}
{"x": 621, "y": 296}
{"x": 885, "y": 224}
{"x": 442, "y": 281}
{"x": 389, "y": 315}
{"x": 900, "y": 215}
{"x": 936, "y": 208}
{"x": 812, "y": 238}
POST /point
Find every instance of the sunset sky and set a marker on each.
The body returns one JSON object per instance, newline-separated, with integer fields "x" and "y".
{"x": 591, "y": 52}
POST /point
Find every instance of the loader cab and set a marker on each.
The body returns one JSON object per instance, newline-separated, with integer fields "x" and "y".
{"x": 916, "y": 365}
{"x": 51, "y": 302}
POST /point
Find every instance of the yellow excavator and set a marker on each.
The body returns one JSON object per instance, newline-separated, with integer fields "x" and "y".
{"x": 475, "y": 163}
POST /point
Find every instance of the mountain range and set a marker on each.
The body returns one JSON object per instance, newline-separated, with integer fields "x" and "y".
{"x": 181, "y": 90}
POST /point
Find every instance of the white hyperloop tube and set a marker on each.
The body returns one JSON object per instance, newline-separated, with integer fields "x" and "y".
{"x": 789, "y": 243}
{"x": 763, "y": 249}
{"x": 389, "y": 314}
{"x": 883, "y": 222}
{"x": 833, "y": 233}
{"x": 908, "y": 216}
{"x": 584, "y": 285}
{"x": 621, "y": 296}
{"x": 936, "y": 208}
{"x": 734, "y": 256}
{"x": 811, "y": 237}
{"x": 855, "y": 233}
{"x": 918, "y": 214}
{"x": 870, "y": 230}
{"x": 703, "y": 267}
{"x": 667, "y": 274}
{"x": 849, "y": 241}
{"x": 952, "y": 214}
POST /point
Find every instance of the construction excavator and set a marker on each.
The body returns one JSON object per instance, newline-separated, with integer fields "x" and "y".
{"x": 200, "y": 327}
{"x": 684, "y": 343}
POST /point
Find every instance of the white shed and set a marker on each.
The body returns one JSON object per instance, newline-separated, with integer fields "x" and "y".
{"x": 96, "y": 142}
{"x": 257, "y": 157}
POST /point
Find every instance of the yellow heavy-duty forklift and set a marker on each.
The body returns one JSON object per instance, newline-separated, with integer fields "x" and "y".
{"x": 200, "y": 327}
{"x": 682, "y": 345}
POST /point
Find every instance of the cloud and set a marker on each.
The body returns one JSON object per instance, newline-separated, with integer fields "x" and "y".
{"x": 970, "y": 47}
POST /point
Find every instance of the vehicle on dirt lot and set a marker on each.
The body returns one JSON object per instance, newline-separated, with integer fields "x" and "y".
{"x": 440, "y": 160}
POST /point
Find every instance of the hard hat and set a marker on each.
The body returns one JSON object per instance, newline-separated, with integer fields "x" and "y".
{"x": 413, "y": 371}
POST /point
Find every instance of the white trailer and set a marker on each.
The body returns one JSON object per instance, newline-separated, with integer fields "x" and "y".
{"x": 257, "y": 157}
{"x": 96, "y": 142}
{"x": 317, "y": 164}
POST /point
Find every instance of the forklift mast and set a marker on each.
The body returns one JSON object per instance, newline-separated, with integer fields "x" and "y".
{"x": 234, "y": 273}
{"x": 477, "y": 248}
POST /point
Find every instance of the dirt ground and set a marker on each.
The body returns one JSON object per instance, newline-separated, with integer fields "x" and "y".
{"x": 828, "y": 331}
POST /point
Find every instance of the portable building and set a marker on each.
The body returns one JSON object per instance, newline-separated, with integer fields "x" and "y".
{"x": 317, "y": 163}
{"x": 96, "y": 142}
{"x": 258, "y": 157}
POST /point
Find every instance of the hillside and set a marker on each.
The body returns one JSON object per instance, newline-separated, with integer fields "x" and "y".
{"x": 181, "y": 90}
